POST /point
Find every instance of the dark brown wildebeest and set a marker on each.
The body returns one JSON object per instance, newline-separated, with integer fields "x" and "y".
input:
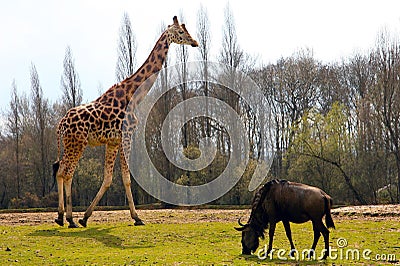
{"x": 281, "y": 200}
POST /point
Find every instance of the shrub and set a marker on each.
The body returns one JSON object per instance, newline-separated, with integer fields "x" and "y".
{"x": 28, "y": 200}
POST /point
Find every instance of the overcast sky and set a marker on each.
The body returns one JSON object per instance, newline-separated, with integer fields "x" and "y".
{"x": 39, "y": 31}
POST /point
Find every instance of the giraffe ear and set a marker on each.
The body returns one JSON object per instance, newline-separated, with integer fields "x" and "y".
{"x": 176, "y": 21}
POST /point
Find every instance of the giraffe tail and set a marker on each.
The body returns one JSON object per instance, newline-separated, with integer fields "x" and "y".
{"x": 58, "y": 142}
{"x": 56, "y": 164}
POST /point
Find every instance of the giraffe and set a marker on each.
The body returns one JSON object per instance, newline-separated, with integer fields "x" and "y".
{"x": 100, "y": 123}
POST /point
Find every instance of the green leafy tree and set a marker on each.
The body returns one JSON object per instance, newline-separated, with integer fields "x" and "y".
{"x": 326, "y": 139}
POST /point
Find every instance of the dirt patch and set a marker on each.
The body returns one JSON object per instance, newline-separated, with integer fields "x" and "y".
{"x": 189, "y": 216}
{"x": 389, "y": 210}
{"x": 148, "y": 216}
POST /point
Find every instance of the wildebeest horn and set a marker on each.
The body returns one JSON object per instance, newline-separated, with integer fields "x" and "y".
{"x": 240, "y": 223}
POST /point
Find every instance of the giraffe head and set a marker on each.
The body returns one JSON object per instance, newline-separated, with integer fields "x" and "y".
{"x": 179, "y": 34}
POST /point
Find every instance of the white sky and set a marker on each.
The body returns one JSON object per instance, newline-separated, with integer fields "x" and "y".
{"x": 39, "y": 31}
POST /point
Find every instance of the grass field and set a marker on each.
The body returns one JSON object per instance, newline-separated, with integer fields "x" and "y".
{"x": 179, "y": 237}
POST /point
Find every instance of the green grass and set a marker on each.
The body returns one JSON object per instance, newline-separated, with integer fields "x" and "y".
{"x": 182, "y": 244}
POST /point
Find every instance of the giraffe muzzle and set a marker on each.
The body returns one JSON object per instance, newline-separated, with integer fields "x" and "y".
{"x": 194, "y": 44}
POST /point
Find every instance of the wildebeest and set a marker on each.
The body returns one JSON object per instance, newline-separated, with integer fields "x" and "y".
{"x": 281, "y": 200}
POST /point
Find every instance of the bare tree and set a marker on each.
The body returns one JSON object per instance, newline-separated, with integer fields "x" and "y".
{"x": 231, "y": 54}
{"x": 385, "y": 94}
{"x": 204, "y": 39}
{"x": 182, "y": 57}
{"x": 70, "y": 83}
{"x": 40, "y": 134}
{"x": 15, "y": 128}
{"x": 126, "y": 50}
{"x": 4, "y": 174}
{"x": 203, "y": 33}
{"x": 370, "y": 163}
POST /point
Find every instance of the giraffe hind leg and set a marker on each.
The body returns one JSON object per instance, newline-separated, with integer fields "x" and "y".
{"x": 68, "y": 185}
{"x": 65, "y": 171}
{"x": 60, "y": 219}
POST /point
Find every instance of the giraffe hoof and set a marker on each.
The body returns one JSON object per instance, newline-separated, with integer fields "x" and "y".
{"x": 138, "y": 222}
{"x": 60, "y": 222}
{"x": 83, "y": 222}
{"x": 73, "y": 225}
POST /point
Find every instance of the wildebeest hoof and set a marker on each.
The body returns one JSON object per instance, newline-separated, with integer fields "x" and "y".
{"x": 246, "y": 252}
{"x": 60, "y": 222}
{"x": 83, "y": 222}
{"x": 139, "y": 222}
{"x": 311, "y": 255}
{"x": 292, "y": 253}
{"x": 325, "y": 255}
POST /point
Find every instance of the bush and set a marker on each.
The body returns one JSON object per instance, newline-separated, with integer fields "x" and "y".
{"x": 50, "y": 200}
{"x": 29, "y": 200}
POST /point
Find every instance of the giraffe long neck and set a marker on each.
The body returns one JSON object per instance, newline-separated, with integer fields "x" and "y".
{"x": 153, "y": 64}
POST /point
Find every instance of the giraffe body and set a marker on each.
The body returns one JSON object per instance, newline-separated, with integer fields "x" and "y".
{"x": 100, "y": 123}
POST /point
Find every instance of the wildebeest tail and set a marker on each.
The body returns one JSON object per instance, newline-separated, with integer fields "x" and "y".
{"x": 328, "y": 216}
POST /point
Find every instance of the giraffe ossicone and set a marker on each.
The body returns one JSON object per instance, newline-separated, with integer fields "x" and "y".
{"x": 100, "y": 122}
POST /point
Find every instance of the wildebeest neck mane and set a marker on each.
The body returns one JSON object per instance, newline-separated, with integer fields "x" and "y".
{"x": 258, "y": 218}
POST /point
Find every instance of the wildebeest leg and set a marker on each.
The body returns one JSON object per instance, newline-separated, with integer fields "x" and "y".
{"x": 271, "y": 233}
{"x": 286, "y": 224}
{"x": 319, "y": 228}
{"x": 325, "y": 233}
{"x": 317, "y": 233}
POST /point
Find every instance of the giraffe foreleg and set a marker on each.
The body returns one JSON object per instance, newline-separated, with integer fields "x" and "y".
{"x": 111, "y": 153}
{"x": 126, "y": 178}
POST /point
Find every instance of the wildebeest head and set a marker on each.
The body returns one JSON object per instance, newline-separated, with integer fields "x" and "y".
{"x": 250, "y": 237}
{"x": 258, "y": 221}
